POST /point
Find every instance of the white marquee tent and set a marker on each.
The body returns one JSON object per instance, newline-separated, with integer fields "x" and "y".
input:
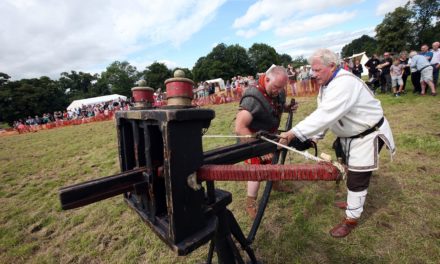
{"x": 95, "y": 100}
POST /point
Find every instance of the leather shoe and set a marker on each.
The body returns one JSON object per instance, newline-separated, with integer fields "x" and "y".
{"x": 344, "y": 228}
{"x": 341, "y": 205}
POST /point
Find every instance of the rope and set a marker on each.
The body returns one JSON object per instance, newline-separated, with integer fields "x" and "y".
{"x": 228, "y": 136}
{"x": 273, "y": 172}
{"x": 307, "y": 155}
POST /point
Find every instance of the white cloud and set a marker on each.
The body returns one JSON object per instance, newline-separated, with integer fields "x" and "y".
{"x": 273, "y": 14}
{"x": 47, "y": 37}
{"x": 389, "y": 6}
{"x": 333, "y": 40}
{"x": 314, "y": 23}
{"x": 247, "y": 33}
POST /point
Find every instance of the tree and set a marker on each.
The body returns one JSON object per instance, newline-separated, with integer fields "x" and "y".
{"x": 263, "y": 56}
{"x": 364, "y": 43}
{"x": 215, "y": 64}
{"x": 78, "y": 85}
{"x": 395, "y": 33}
{"x": 425, "y": 12}
{"x": 199, "y": 71}
{"x": 4, "y": 78}
{"x": 30, "y": 97}
{"x": 285, "y": 59}
{"x": 156, "y": 74}
{"x": 121, "y": 77}
{"x": 223, "y": 62}
{"x": 299, "y": 61}
{"x": 237, "y": 62}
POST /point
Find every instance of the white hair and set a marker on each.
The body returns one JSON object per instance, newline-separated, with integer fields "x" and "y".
{"x": 412, "y": 53}
{"x": 326, "y": 56}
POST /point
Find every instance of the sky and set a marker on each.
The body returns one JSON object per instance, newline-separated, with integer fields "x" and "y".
{"x": 48, "y": 37}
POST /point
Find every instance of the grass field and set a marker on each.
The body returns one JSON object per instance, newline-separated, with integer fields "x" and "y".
{"x": 401, "y": 222}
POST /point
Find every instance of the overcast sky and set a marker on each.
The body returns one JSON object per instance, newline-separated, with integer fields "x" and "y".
{"x": 46, "y": 37}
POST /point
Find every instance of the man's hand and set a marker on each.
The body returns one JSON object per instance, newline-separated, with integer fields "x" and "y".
{"x": 286, "y": 137}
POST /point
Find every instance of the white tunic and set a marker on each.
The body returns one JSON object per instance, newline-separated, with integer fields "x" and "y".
{"x": 348, "y": 107}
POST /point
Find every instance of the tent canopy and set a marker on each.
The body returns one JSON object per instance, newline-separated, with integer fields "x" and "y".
{"x": 95, "y": 100}
{"x": 219, "y": 82}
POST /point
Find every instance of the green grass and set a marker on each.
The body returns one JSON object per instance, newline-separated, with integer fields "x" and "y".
{"x": 401, "y": 223}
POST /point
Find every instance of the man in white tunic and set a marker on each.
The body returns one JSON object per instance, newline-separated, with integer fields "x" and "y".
{"x": 348, "y": 108}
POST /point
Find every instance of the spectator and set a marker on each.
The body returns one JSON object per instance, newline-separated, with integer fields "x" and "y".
{"x": 403, "y": 57}
{"x": 424, "y": 50}
{"x": 292, "y": 79}
{"x": 371, "y": 65}
{"x": 37, "y": 120}
{"x": 357, "y": 69}
{"x": 346, "y": 65}
{"x": 385, "y": 75}
{"x": 228, "y": 89}
{"x": 396, "y": 71}
{"x": 422, "y": 65}
{"x": 435, "y": 61}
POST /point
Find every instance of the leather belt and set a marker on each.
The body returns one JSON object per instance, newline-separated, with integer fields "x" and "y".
{"x": 370, "y": 130}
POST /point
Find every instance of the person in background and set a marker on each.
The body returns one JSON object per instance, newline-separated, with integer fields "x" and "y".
{"x": 396, "y": 72}
{"x": 357, "y": 68}
{"x": 371, "y": 65}
{"x": 424, "y": 51}
{"x": 403, "y": 57}
{"x": 384, "y": 66}
{"x": 348, "y": 108}
{"x": 292, "y": 78}
{"x": 435, "y": 61}
{"x": 422, "y": 65}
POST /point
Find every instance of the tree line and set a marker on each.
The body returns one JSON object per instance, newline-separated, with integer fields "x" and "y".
{"x": 30, "y": 97}
{"x": 405, "y": 28}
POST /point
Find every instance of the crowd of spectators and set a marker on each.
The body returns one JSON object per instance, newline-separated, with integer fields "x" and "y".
{"x": 391, "y": 71}
{"x": 101, "y": 110}
{"x": 301, "y": 83}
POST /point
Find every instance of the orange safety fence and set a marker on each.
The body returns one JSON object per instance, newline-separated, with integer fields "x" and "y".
{"x": 294, "y": 88}
{"x": 21, "y": 129}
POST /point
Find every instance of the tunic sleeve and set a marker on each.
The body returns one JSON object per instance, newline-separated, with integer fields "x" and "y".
{"x": 337, "y": 100}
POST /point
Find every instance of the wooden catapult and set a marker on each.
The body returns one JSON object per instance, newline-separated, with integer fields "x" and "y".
{"x": 168, "y": 179}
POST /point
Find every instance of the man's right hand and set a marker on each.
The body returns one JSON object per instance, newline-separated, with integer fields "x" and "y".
{"x": 286, "y": 137}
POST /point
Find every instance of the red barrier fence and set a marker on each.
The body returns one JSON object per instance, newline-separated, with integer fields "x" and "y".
{"x": 294, "y": 88}
{"x": 58, "y": 123}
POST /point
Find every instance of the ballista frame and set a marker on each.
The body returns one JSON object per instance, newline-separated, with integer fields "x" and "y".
{"x": 162, "y": 170}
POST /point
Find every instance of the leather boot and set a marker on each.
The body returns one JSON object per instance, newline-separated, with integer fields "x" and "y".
{"x": 251, "y": 207}
{"x": 341, "y": 205}
{"x": 281, "y": 187}
{"x": 344, "y": 228}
